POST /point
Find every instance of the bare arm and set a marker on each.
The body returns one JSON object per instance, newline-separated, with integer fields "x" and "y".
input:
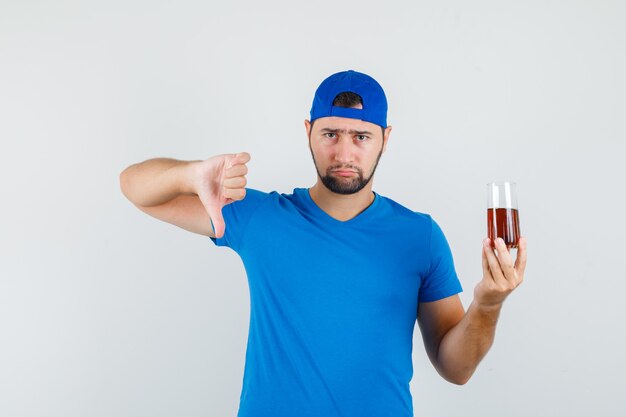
{"x": 457, "y": 342}
{"x": 188, "y": 194}
{"x": 157, "y": 181}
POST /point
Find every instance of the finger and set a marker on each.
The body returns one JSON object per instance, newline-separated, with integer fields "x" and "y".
{"x": 520, "y": 262}
{"x": 235, "y": 193}
{"x": 505, "y": 260}
{"x": 494, "y": 265}
{"x": 237, "y": 182}
{"x": 243, "y": 157}
{"x": 236, "y": 171}
{"x": 239, "y": 159}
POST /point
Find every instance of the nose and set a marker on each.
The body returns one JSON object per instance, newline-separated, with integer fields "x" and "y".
{"x": 344, "y": 151}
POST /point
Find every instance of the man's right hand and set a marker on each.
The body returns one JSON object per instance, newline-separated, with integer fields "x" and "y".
{"x": 219, "y": 181}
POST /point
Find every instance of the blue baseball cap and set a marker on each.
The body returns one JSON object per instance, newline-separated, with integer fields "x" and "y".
{"x": 374, "y": 101}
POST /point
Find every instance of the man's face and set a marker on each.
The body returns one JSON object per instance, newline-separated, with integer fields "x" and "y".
{"x": 345, "y": 151}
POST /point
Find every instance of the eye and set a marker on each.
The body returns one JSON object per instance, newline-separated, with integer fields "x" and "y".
{"x": 362, "y": 138}
{"x": 325, "y": 134}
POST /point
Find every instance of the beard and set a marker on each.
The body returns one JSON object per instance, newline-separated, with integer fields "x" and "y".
{"x": 345, "y": 185}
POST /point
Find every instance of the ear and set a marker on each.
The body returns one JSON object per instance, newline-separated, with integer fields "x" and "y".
{"x": 386, "y": 137}
{"x": 307, "y": 125}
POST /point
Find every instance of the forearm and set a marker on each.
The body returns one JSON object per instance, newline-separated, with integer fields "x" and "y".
{"x": 156, "y": 181}
{"x": 467, "y": 343}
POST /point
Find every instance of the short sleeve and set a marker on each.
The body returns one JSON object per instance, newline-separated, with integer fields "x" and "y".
{"x": 441, "y": 280}
{"x": 236, "y": 217}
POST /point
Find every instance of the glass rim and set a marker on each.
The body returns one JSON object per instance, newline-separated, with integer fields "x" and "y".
{"x": 501, "y": 182}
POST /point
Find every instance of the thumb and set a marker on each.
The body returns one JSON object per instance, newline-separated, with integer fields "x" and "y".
{"x": 485, "y": 262}
{"x": 217, "y": 220}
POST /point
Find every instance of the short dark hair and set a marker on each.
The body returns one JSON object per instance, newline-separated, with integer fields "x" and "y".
{"x": 348, "y": 99}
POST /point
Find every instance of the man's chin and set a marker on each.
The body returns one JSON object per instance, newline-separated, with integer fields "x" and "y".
{"x": 343, "y": 187}
{"x": 343, "y": 191}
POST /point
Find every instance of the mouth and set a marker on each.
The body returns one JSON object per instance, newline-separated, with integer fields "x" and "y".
{"x": 343, "y": 172}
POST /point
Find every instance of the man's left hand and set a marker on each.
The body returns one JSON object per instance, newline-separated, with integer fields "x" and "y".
{"x": 500, "y": 275}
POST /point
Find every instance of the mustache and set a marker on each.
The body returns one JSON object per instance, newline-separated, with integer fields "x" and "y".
{"x": 352, "y": 167}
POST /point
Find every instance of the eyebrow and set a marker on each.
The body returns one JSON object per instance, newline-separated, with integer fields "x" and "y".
{"x": 352, "y": 131}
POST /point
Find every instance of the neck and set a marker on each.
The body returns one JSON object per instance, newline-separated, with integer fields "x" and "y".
{"x": 342, "y": 207}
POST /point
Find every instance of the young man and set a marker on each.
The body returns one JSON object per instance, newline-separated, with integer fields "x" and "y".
{"x": 338, "y": 274}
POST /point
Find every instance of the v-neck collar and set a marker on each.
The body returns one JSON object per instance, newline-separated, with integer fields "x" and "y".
{"x": 321, "y": 214}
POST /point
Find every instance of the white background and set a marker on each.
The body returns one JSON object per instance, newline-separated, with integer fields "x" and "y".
{"x": 105, "y": 311}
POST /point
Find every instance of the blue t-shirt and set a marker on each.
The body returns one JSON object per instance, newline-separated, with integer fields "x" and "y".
{"x": 333, "y": 304}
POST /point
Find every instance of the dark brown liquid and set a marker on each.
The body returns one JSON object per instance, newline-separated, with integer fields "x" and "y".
{"x": 504, "y": 223}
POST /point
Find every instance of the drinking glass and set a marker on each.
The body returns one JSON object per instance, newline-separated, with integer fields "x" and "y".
{"x": 502, "y": 213}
